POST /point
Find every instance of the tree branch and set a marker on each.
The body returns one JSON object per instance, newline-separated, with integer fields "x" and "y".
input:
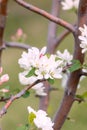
{"x": 46, "y": 15}
{"x": 17, "y": 45}
{"x": 17, "y": 96}
{"x": 51, "y": 40}
{"x": 3, "y": 14}
{"x": 74, "y": 77}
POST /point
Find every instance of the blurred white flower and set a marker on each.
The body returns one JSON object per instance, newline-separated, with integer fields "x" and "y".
{"x": 65, "y": 78}
{"x": 41, "y": 120}
{"x": 83, "y": 38}
{"x": 39, "y": 88}
{"x": 69, "y": 4}
{"x": 66, "y": 57}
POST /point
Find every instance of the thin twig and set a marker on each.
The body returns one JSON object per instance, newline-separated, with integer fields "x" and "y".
{"x": 17, "y": 45}
{"x": 17, "y": 96}
{"x": 46, "y": 15}
{"x": 83, "y": 73}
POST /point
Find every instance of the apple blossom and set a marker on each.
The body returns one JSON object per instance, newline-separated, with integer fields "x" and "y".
{"x": 31, "y": 58}
{"x": 38, "y": 65}
{"x": 69, "y": 4}
{"x": 41, "y": 120}
{"x": 83, "y": 38}
{"x": 39, "y": 88}
{"x": 66, "y": 57}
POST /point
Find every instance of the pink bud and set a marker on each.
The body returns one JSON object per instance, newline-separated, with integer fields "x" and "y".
{"x": 19, "y": 32}
{"x": 4, "y": 90}
{"x": 4, "y": 78}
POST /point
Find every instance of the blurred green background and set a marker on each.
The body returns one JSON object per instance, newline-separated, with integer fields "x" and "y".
{"x": 36, "y": 28}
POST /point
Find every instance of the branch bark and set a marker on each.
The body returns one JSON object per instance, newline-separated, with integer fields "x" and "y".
{"x": 46, "y": 15}
{"x": 17, "y": 96}
{"x": 52, "y": 30}
{"x": 17, "y": 45}
{"x": 3, "y": 14}
{"x": 73, "y": 80}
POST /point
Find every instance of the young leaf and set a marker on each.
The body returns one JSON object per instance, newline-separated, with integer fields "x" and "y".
{"x": 31, "y": 117}
{"x": 27, "y": 94}
{"x": 31, "y": 72}
{"x": 51, "y": 81}
{"x": 75, "y": 65}
{"x": 80, "y": 97}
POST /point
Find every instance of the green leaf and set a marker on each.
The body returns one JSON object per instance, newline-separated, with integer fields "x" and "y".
{"x": 31, "y": 72}
{"x": 51, "y": 81}
{"x": 75, "y": 65}
{"x": 84, "y": 95}
{"x": 80, "y": 97}
{"x": 27, "y": 94}
{"x": 31, "y": 117}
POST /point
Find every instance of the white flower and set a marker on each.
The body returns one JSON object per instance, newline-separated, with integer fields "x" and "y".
{"x": 66, "y": 57}
{"x": 69, "y": 4}
{"x": 41, "y": 120}
{"x": 83, "y": 38}
{"x": 30, "y": 59}
{"x": 39, "y": 88}
{"x": 26, "y": 80}
{"x": 49, "y": 68}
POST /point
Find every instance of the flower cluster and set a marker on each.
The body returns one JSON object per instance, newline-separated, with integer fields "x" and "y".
{"x": 38, "y": 65}
{"x": 83, "y": 38}
{"x": 40, "y": 119}
{"x": 69, "y": 4}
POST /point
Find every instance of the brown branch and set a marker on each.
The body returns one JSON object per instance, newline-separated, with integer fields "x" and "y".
{"x": 17, "y": 96}
{"x": 74, "y": 77}
{"x": 17, "y": 45}
{"x": 3, "y": 13}
{"x": 79, "y": 100}
{"x": 52, "y": 29}
{"x": 46, "y": 15}
{"x": 83, "y": 73}
{"x": 2, "y": 99}
{"x": 62, "y": 36}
